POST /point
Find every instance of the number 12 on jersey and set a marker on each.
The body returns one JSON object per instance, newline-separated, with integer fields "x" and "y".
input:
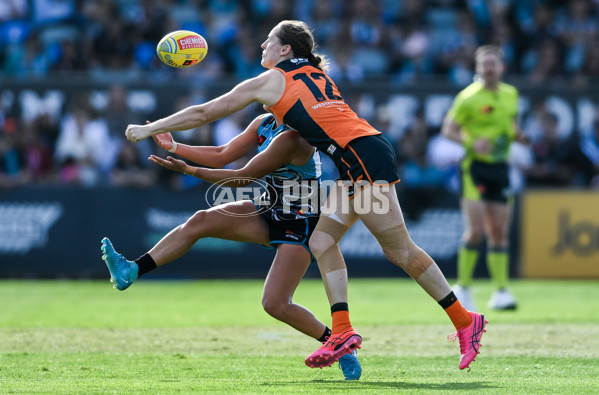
{"x": 310, "y": 84}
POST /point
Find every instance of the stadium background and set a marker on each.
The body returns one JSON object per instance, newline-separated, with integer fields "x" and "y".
{"x": 89, "y": 67}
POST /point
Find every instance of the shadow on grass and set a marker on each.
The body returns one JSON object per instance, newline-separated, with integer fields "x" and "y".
{"x": 398, "y": 385}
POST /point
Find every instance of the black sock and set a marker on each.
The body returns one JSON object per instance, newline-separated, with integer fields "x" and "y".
{"x": 146, "y": 264}
{"x": 448, "y": 300}
{"x": 325, "y": 336}
{"x": 342, "y": 306}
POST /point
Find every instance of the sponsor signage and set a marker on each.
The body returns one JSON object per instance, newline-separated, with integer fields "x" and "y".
{"x": 25, "y": 226}
{"x": 560, "y": 234}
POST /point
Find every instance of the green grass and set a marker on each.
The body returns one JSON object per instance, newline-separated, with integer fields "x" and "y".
{"x": 213, "y": 337}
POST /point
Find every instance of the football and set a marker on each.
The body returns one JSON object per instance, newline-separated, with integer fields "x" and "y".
{"x": 182, "y": 48}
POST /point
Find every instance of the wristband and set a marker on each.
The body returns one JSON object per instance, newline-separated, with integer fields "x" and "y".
{"x": 173, "y": 147}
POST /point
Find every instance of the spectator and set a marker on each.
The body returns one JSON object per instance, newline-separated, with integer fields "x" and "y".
{"x": 326, "y": 22}
{"x": 12, "y": 164}
{"x": 542, "y": 28}
{"x": 420, "y": 179}
{"x": 36, "y": 153}
{"x": 577, "y": 30}
{"x": 550, "y": 42}
{"x": 547, "y": 68}
{"x": 80, "y": 147}
{"x": 26, "y": 60}
{"x": 409, "y": 40}
{"x": 458, "y": 47}
{"x": 368, "y": 38}
{"x": 532, "y": 120}
{"x": 131, "y": 168}
{"x": 118, "y": 116}
{"x": 557, "y": 161}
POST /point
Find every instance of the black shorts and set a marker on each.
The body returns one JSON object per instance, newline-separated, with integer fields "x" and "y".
{"x": 485, "y": 181}
{"x": 369, "y": 159}
{"x": 289, "y": 231}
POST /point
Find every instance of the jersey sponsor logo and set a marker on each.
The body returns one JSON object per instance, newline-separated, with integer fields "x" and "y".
{"x": 329, "y": 103}
{"x": 299, "y": 60}
{"x": 487, "y": 109}
{"x": 291, "y": 235}
{"x": 331, "y": 149}
{"x": 189, "y": 42}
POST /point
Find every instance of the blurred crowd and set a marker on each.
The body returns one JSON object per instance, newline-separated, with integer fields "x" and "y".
{"x": 547, "y": 41}
{"x": 401, "y": 42}
{"x": 82, "y": 142}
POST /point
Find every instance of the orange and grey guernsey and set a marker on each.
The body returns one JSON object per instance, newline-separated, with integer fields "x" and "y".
{"x": 312, "y": 105}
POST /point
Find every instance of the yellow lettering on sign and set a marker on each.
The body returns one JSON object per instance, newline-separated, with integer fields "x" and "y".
{"x": 560, "y": 234}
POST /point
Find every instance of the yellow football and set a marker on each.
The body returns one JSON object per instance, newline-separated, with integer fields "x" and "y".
{"x": 182, "y": 48}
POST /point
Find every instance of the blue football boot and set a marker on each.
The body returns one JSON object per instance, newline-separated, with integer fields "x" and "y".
{"x": 350, "y": 366}
{"x": 122, "y": 271}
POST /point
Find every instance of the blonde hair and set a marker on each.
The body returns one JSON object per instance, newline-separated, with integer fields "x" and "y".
{"x": 485, "y": 49}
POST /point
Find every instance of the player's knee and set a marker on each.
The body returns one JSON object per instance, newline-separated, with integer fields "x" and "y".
{"x": 196, "y": 223}
{"x": 410, "y": 258}
{"x": 325, "y": 237}
{"x": 396, "y": 244}
{"x": 275, "y": 307}
{"x": 473, "y": 235}
{"x": 498, "y": 238}
{"x": 320, "y": 242}
{"x": 398, "y": 256}
{"x": 497, "y": 232}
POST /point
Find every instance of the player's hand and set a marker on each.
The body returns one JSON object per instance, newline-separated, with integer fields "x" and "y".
{"x": 482, "y": 146}
{"x": 169, "y": 163}
{"x": 165, "y": 140}
{"x": 135, "y": 133}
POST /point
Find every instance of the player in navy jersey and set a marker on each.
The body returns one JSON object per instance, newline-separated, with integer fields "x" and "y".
{"x": 283, "y": 156}
{"x": 301, "y": 94}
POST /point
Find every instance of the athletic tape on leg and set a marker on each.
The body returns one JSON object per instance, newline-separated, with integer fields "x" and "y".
{"x": 336, "y": 229}
{"x": 324, "y": 244}
{"x": 401, "y": 250}
{"x": 419, "y": 265}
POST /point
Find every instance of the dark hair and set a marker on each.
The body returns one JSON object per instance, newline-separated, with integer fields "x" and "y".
{"x": 297, "y": 34}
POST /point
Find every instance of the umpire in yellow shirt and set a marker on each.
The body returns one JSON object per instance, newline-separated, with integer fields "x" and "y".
{"x": 483, "y": 119}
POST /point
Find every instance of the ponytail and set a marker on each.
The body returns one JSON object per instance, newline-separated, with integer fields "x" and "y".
{"x": 319, "y": 61}
{"x": 298, "y": 35}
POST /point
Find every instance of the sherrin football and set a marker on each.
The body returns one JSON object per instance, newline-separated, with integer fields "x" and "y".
{"x": 182, "y": 48}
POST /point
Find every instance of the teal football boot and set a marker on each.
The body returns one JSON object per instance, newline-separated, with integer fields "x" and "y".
{"x": 122, "y": 271}
{"x": 350, "y": 366}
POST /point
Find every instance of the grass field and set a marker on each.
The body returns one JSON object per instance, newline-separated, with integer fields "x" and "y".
{"x": 212, "y": 336}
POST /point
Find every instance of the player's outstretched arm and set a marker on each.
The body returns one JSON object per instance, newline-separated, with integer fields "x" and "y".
{"x": 286, "y": 147}
{"x": 267, "y": 88}
{"x": 216, "y": 157}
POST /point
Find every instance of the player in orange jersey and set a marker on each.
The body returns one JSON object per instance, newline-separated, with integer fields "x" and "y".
{"x": 301, "y": 94}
